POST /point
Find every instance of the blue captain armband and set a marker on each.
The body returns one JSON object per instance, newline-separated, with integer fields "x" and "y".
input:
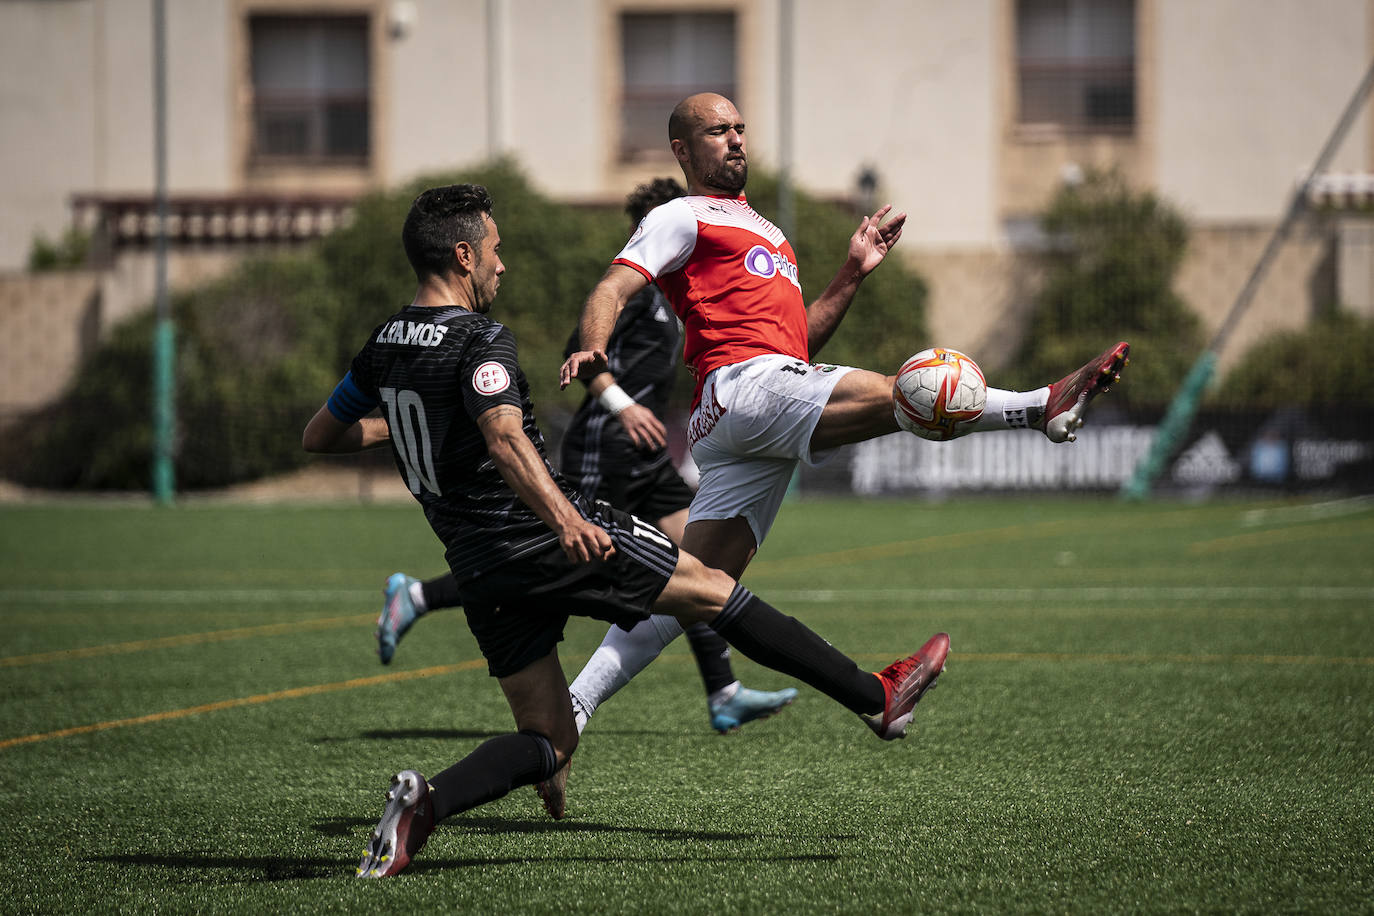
{"x": 348, "y": 404}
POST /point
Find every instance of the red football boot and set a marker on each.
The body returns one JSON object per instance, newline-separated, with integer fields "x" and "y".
{"x": 1069, "y": 397}
{"x": 904, "y": 682}
{"x": 405, "y": 825}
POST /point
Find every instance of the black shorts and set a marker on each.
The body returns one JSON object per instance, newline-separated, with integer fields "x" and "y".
{"x": 517, "y": 610}
{"x": 652, "y": 493}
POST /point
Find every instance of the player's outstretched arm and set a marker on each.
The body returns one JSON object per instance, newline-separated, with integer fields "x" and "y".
{"x": 599, "y": 313}
{"x": 523, "y": 469}
{"x": 326, "y": 433}
{"x": 868, "y": 246}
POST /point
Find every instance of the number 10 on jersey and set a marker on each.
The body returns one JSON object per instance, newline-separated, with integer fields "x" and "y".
{"x": 405, "y": 415}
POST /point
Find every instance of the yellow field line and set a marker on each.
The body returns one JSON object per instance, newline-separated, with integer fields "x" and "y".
{"x": 255, "y": 700}
{"x": 186, "y": 639}
{"x": 436, "y": 670}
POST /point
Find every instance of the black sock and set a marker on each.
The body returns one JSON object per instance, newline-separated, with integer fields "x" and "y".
{"x": 785, "y": 644}
{"x": 441, "y": 592}
{"x": 713, "y": 657}
{"x": 497, "y": 766}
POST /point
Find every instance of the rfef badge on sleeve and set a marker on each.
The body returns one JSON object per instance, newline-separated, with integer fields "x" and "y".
{"x": 491, "y": 378}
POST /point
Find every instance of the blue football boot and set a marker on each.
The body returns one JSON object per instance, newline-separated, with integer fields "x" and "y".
{"x": 398, "y": 613}
{"x": 747, "y": 705}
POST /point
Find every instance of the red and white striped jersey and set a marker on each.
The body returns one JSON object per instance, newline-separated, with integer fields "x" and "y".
{"x": 730, "y": 275}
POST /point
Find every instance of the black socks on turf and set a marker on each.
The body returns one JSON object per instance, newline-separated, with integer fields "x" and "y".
{"x": 783, "y": 643}
{"x": 713, "y": 657}
{"x": 490, "y": 772}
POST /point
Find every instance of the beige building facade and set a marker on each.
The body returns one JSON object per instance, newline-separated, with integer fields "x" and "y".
{"x": 965, "y": 114}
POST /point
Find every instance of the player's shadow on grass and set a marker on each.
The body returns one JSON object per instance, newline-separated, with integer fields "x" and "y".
{"x": 244, "y": 869}
{"x": 349, "y": 826}
{"x": 254, "y": 869}
{"x": 397, "y": 734}
{"x": 400, "y": 734}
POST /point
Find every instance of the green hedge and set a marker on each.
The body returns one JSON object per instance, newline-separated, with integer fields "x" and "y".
{"x": 259, "y": 350}
{"x": 249, "y": 374}
{"x": 1110, "y": 272}
{"x": 1329, "y": 364}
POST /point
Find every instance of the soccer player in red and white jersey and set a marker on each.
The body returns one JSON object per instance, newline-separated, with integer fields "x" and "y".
{"x": 761, "y": 404}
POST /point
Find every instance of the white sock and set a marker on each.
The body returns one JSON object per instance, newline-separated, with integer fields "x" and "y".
{"x": 417, "y": 597}
{"x": 1008, "y": 409}
{"x": 620, "y": 657}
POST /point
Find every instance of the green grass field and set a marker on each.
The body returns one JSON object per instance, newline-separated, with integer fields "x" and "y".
{"x": 1155, "y": 708}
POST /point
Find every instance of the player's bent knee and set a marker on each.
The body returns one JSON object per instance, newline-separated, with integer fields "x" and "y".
{"x": 695, "y": 593}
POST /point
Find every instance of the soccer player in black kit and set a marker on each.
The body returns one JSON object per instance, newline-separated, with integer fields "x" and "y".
{"x": 615, "y": 449}
{"x": 525, "y": 548}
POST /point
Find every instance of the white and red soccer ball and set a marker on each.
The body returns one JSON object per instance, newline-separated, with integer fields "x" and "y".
{"x": 939, "y": 394}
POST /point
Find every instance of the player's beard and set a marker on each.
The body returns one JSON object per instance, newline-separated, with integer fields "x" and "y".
{"x": 483, "y": 294}
{"x": 729, "y": 175}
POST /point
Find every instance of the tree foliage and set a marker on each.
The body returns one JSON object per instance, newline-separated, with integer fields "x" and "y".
{"x": 248, "y": 375}
{"x": 1328, "y": 364}
{"x": 554, "y": 254}
{"x": 1113, "y": 256}
{"x": 259, "y": 350}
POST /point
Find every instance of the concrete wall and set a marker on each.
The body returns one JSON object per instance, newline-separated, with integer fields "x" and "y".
{"x": 1247, "y": 94}
{"x": 49, "y": 322}
{"x": 1235, "y": 96}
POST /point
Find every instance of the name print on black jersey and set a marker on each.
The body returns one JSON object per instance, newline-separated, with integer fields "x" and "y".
{"x": 415, "y": 333}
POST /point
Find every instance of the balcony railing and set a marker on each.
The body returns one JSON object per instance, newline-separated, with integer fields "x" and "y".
{"x": 117, "y": 222}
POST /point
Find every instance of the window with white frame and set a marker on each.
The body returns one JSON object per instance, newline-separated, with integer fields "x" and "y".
{"x": 311, "y": 80}
{"x": 668, "y": 56}
{"x": 1076, "y": 64}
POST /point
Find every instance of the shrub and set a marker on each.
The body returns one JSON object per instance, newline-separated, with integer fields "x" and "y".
{"x": 1328, "y": 364}
{"x": 68, "y": 251}
{"x": 259, "y": 350}
{"x": 554, "y": 254}
{"x": 1110, "y": 272}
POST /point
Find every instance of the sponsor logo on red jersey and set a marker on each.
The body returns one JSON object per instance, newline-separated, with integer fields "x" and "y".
{"x": 761, "y": 262}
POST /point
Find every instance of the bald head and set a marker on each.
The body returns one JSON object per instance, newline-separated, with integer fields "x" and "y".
{"x": 706, "y": 133}
{"x": 690, "y": 112}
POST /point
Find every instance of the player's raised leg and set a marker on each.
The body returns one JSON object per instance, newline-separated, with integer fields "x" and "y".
{"x": 860, "y": 406}
{"x": 405, "y": 600}
{"x": 883, "y": 699}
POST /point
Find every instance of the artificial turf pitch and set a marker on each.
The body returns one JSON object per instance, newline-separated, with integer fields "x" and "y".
{"x": 1148, "y": 708}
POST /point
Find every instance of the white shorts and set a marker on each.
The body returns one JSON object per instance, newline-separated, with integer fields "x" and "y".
{"x": 752, "y": 426}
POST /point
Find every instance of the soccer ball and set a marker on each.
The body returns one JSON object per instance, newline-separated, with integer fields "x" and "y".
{"x": 938, "y": 394}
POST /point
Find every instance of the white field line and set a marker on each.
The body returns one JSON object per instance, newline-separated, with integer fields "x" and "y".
{"x": 1282, "y": 515}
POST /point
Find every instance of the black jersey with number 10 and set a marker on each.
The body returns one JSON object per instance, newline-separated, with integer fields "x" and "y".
{"x": 434, "y": 371}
